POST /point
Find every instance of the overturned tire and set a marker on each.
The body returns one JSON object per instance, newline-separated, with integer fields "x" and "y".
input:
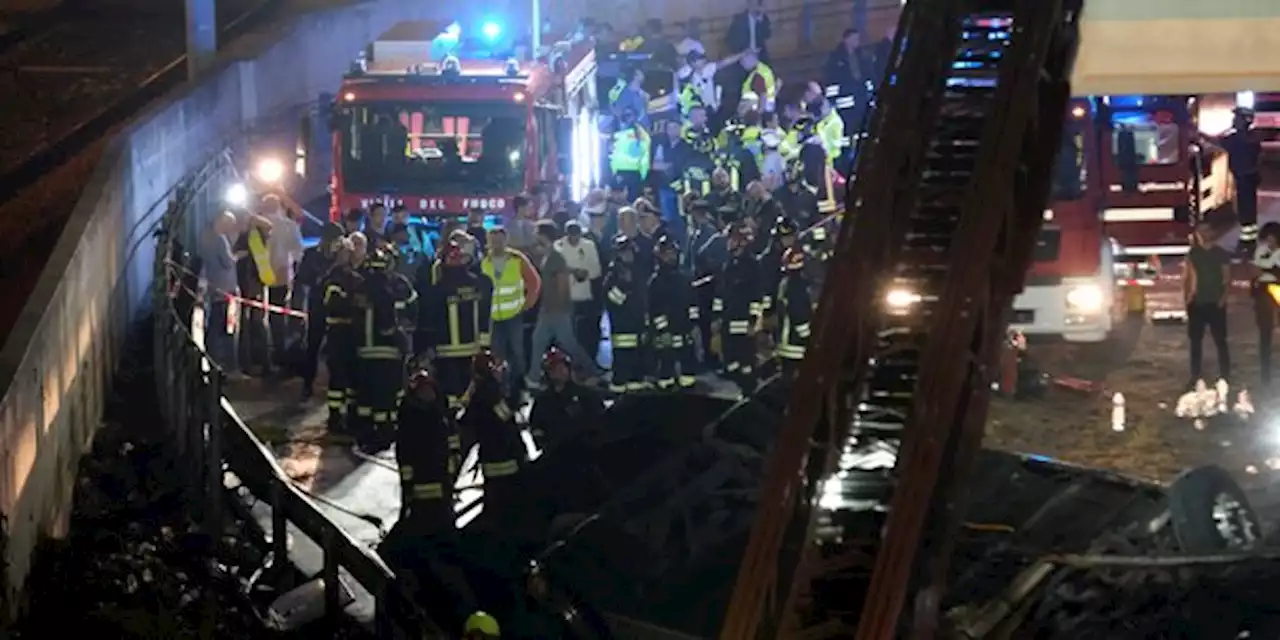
{"x": 1210, "y": 512}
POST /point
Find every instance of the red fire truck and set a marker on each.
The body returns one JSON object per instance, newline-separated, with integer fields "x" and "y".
{"x": 447, "y": 123}
{"x": 1130, "y": 180}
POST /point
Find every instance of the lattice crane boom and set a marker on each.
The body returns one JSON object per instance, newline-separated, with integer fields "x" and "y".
{"x": 890, "y": 403}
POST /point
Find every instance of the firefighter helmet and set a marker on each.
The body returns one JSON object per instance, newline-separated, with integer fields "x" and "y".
{"x": 379, "y": 260}
{"x": 452, "y": 256}
{"x": 665, "y": 249}
{"x": 553, "y": 357}
{"x": 623, "y": 243}
{"x": 784, "y": 226}
{"x": 793, "y": 259}
{"x": 485, "y": 363}
{"x": 422, "y": 378}
{"x": 482, "y": 625}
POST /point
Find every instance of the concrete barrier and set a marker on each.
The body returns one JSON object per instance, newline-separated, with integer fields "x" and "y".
{"x": 56, "y": 365}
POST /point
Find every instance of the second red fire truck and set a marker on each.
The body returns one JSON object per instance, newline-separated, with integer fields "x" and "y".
{"x": 1129, "y": 183}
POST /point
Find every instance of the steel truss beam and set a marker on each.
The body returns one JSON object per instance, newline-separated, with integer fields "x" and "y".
{"x": 949, "y": 198}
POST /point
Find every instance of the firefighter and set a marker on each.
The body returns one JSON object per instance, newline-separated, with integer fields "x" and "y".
{"x": 797, "y": 201}
{"x": 707, "y": 256}
{"x": 673, "y": 310}
{"x": 737, "y": 307}
{"x": 795, "y": 308}
{"x": 491, "y": 421}
{"x": 309, "y": 281}
{"x": 815, "y": 169}
{"x": 697, "y": 160}
{"x": 382, "y": 349}
{"x": 782, "y": 238}
{"x": 724, "y": 195}
{"x": 1244, "y": 148}
{"x": 453, "y": 319}
{"x": 341, "y": 287}
{"x": 629, "y": 153}
{"x": 737, "y": 163}
{"x": 760, "y": 80}
{"x": 563, "y": 406}
{"x": 624, "y": 301}
{"x": 481, "y": 626}
{"x": 428, "y": 452}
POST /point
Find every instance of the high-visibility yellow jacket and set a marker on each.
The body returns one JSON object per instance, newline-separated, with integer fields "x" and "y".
{"x": 630, "y": 151}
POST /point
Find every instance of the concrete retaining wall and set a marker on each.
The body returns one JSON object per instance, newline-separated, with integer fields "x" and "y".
{"x": 55, "y": 366}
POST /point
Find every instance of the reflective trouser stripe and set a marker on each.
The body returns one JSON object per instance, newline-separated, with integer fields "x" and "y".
{"x": 429, "y": 491}
{"x": 499, "y": 469}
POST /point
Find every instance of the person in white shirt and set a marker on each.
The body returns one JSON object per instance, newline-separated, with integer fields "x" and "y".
{"x": 701, "y": 73}
{"x": 1266, "y": 287}
{"x": 284, "y": 247}
{"x": 583, "y": 259}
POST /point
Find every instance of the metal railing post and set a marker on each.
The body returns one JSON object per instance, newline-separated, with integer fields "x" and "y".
{"x": 332, "y": 593}
{"x": 279, "y": 535}
{"x": 213, "y": 451}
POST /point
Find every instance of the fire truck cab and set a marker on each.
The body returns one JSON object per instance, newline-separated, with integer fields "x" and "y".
{"x": 1130, "y": 181}
{"x": 446, "y": 123}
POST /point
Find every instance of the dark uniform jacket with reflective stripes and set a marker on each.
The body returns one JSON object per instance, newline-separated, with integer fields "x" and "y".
{"x": 626, "y": 307}
{"x": 492, "y": 420}
{"x": 739, "y": 291}
{"x": 427, "y": 450}
{"x": 672, "y": 305}
{"x": 388, "y": 295}
{"x": 796, "y": 309}
{"x": 556, "y": 414}
{"x": 453, "y": 315}
{"x": 341, "y": 286}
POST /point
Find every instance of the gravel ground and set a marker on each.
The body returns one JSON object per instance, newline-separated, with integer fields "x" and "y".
{"x": 56, "y": 78}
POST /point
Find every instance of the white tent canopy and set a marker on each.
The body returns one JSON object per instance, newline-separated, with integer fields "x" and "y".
{"x": 1178, "y": 47}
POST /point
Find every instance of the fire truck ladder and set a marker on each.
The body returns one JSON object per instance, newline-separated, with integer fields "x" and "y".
{"x": 889, "y": 407}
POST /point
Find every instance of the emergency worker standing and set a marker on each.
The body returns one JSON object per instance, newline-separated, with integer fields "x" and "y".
{"x": 492, "y": 422}
{"x": 796, "y": 310}
{"x": 563, "y": 406}
{"x": 723, "y": 194}
{"x": 815, "y": 167}
{"x": 309, "y": 282}
{"x": 783, "y": 238}
{"x": 453, "y": 320}
{"x": 1244, "y": 149}
{"x": 796, "y": 200}
{"x": 626, "y": 317}
{"x": 673, "y": 309}
{"x": 697, "y": 159}
{"x": 629, "y": 153}
{"x": 341, "y": 286}
{"x": 737, "y": 308}
{"x": 383, "y": 298}
{"x": 428, "y": 452}
{"x": 760, "y": 80}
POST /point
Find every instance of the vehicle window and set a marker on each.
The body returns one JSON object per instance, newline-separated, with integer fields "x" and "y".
{"x": 1155, "y": 141}
{"x": 401, "y": 147}
{"x": 1048, "y": 244}
{"x": 1070, "y": 173}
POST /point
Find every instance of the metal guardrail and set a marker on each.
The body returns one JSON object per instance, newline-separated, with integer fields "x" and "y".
{"x": 211, "y": 439}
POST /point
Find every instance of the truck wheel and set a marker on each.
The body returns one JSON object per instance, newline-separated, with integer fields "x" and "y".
{"x": 1210, "y": 512}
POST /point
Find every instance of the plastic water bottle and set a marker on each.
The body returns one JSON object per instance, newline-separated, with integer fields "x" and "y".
{"x": 1117, "y": 412}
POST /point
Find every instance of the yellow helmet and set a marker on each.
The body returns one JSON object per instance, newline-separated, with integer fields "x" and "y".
{"x": 483, "y": 623}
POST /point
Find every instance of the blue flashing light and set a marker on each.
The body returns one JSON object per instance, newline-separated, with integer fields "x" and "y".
{"x": 491, "y": 30}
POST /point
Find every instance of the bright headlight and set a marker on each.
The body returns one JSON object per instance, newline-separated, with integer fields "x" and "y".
{"x": 269, "y": 171}
{"x": 1086, "y": 297}
{"x": 237, "y": 195}
{"x": 899, "y": 299}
